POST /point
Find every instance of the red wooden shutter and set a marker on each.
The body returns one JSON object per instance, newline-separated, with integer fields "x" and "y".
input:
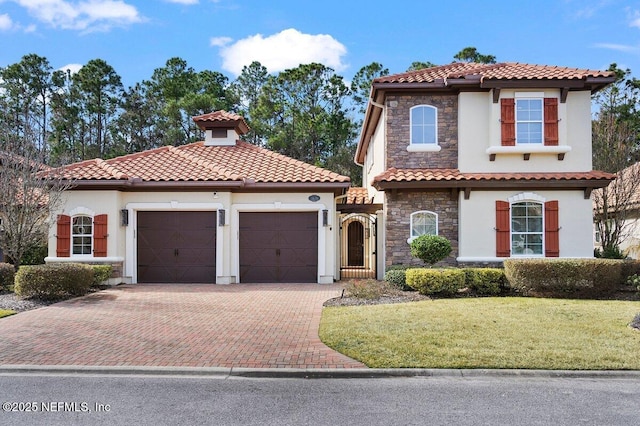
{"x": 551, "y": 229}
{"x": 63, "y": 236}
{"x": 551, "y": 121}
{"x": 503, "y": 229}
{"x": 100, "y": 235}
{"x": 508, "y": 120}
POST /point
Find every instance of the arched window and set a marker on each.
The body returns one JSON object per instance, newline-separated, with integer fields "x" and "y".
{"x": 423, "y": 223}
{"x": 527, "y": 228}
{"x": 81, "y": 235}
{"x": 424, "y": 125}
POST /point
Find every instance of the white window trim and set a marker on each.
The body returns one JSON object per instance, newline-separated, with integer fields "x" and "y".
{"x": 411, "y": 237}
{"x": 523, "y": 198}
{"x": 533, "y": 96}
{"x": 423, "y": 147}
{"x": 84, "y": 213}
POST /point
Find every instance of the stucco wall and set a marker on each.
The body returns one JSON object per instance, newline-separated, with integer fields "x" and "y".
{"x": 375, "y": 160}
{"x": 121, "y": 239}
{"x": 477, "y": 235}
{"x": 479, "y": 129}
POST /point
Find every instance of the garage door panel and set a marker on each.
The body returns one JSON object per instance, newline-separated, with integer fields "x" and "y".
{"x": 258, "y": 274}
{"x": 293, "y": 256}
{"x": 155, "y": 274}
{"x": 176, "y": 247}
{"x": 300, "y": 274}
{"x": 194, "y": 274}
{"x": 278, "y": 247}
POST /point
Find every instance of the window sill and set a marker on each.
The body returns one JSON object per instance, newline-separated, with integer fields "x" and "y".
{"x": 425, "y": 147}
{"x": 527, "y": 150}
{"x": 85, "y": 258}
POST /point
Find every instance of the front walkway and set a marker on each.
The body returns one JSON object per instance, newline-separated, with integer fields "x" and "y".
{"x": 241, "y": 325}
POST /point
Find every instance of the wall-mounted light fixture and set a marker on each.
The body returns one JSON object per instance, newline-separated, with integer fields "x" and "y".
{"x": 124, "y": 217}
{"x": 221, "y": 217}
{"x": 325, "y": 217}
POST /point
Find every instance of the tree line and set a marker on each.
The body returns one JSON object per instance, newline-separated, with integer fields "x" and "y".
{"x": 309, "y": 113}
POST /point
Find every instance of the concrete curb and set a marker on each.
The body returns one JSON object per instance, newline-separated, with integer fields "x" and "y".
{"x": 309, "y": 373}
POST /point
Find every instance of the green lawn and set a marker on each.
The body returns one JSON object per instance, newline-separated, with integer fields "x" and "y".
{"x": 6, "y": 312}
{"x": 509, "y": 332}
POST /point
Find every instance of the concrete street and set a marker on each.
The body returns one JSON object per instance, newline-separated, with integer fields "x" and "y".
{"x": 223, "y": 400}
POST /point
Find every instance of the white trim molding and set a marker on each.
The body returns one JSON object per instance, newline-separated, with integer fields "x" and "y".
{"x": 424, "y": 147}
{"x": 527, "y": 196}
{"x": 78, "y": 211}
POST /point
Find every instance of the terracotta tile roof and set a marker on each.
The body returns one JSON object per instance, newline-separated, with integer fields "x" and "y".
{"x": 222, "y": 118}
{"x": 199, "y": 163}
{"x": 454, "y": 175}
{"x": 500, "y": 71}
{"x": 358, "y": 196}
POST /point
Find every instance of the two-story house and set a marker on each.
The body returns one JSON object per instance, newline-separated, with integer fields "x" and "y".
{"x": 494, "y": 157}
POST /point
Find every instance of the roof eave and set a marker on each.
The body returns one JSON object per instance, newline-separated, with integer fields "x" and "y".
{"x": 137, "y": 184}
{"x": 493, "y": 184}
{"x": 335, "y": 187}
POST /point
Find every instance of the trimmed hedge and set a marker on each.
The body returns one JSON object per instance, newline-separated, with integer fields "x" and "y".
{"x": 396, "y": 275}
{"x": 54, "y": 281}
{"x": 430, "y": 249}
{"x": 564, "y": 277}
{"x": 101, "y": 273}
{"x": 436, "y": 281}
{"x": 486, "y": 281}
{"x": 7, "y": 275}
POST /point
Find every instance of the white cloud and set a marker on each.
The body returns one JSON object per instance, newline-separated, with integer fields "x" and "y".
{"x": 635, "y": 21}
{"x": 5, "y": 22}
{"x": 220, "y": 41}
{"x": 284, "y": 50}
{"x": 87, "y": 15}
{"x": 186, "y": 2}
{"x": 617, "y": 47}
{"x": 73, "y": 68}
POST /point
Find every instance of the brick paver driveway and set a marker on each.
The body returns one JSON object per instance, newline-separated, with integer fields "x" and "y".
{"x": 241, "y": 325}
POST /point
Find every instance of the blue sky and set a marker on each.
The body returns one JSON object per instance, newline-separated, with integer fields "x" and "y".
{"x": 135, "y": 37}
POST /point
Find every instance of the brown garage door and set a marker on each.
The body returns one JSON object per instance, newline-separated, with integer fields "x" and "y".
{"x": 176, "y": 247}
{"x": 278, "y": 247}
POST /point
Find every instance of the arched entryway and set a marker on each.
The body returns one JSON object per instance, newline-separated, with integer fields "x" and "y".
{"x": 358, "y": 244}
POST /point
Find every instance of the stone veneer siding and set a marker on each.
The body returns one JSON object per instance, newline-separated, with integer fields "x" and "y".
{"x": 399, "y": 132}
{"x": 398, "y": 209}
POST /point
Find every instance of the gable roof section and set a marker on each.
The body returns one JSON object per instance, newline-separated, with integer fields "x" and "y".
{"x": 473, "y": 76}
{"x": 482, "y": 73}
{"x": 394, "y": 179}
{"x": 196, "y": 166}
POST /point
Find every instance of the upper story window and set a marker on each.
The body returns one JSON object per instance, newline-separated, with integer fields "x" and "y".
{"x": 81, "y": 235}
{"x": 424, "y": 125}
{"x": 529, "y": 121}
{"x": 423, "y": 223}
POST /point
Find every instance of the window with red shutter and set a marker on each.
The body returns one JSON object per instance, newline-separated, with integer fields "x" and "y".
{"x": 63, "y": 236}
{"x": 100, "y": 235}
{"x": 503, "y": 229}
